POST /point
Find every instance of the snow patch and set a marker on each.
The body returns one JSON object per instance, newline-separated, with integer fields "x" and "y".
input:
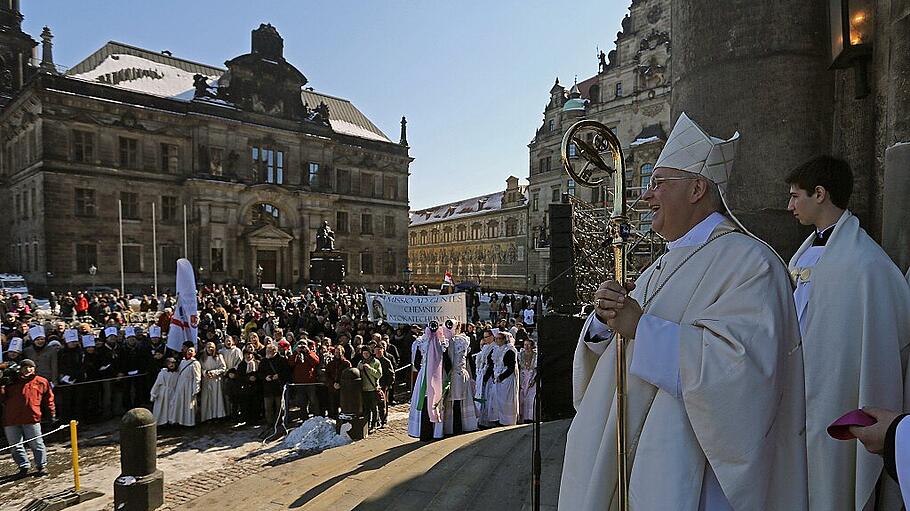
{"x": 317, "y": 434}
{"x": 348, "y": 128}
{"x": 143, "y": 75}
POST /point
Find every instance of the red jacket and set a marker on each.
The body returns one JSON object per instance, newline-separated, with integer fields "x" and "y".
{"x": 24, "y": 400}
{"x": 81, "y": 305}
{"x": 303, "y": 367}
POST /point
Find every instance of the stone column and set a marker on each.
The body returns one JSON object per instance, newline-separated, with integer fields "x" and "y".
{"x": 759, "y": 68}
{"x": 895, "y": 213}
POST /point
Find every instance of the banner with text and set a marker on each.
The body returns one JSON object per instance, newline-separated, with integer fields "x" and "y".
{"x": 416, "y": 310}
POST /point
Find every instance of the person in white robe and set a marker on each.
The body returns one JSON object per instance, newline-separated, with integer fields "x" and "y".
{"x": 504, "y": 389}
{"x": 527, "y": 385}
{"x": 715, "y": 398}
{"x": 852, "y": 302}
{"x": 183, "y": 404}
{"x": 459, "y": 413}
{"x": 425, "y": 417}
{"x": 211, "y": 392}
{"x": 483, "y": 378}
{"x": 890, "y": 438}
{"x": 232, "y": 356}
{"x": 162, "y": 390}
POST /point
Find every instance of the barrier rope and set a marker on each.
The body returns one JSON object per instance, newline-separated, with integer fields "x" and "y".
{"x": 116, "y": 378}
{"x": 62, "y": 426}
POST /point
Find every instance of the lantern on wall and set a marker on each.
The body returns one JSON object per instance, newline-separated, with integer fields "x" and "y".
{"x": 851, "y": 38}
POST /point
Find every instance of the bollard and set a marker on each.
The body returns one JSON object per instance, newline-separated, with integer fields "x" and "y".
{"x": 352, "y": 404}
{"x": 140, "y": 486}
{"x": 74, "y": 447}
{"x": 351, "y": 392}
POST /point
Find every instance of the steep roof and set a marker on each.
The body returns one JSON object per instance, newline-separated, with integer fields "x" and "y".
{"x": 474, "y": 206}
{"x": 147, "y": 72}
{"x": 344, "y": 116}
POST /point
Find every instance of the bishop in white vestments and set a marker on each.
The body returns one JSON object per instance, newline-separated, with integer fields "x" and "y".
{"x": 716, "y": 407}
{"x": 854, "y": 315}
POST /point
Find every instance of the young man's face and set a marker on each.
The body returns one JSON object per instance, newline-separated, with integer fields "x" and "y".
{"x": 804, "y": 206}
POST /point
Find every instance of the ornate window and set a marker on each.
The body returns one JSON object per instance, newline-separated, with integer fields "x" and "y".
{"x": 170, "y": 159}
{"x": 129, "y": 203}
{"x": 268, "y": 164}
{"x": 511, "y": 227}
{"x": 83, "y": 146}
{"x": 129, "y": 153}
{"x": 85, "y": 202}
{"x": 265, "y": 212}
{"x": 313, "y": 174}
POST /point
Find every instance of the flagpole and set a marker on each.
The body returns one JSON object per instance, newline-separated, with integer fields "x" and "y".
{"x": 155, "y": 249}
{"x": 185, "y": 254}
{"x": 120, "y": 221}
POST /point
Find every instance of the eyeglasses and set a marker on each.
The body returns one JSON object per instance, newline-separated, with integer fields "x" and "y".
{"x": 657, "y": 181}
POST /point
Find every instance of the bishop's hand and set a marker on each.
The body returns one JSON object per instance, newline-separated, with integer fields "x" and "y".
{"x": 617, "y": 309}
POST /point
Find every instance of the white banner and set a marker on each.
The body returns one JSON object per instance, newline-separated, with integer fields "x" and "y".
{"x": 416, "y": 310}
{"x": 185, "y": 318}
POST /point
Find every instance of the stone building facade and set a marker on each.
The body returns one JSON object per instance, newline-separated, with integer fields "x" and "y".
{"x": 779, "y": 74}
{"x": 481, "y": 239}
{"x": 631, "y": 95}
{"x": 248, "y": 157}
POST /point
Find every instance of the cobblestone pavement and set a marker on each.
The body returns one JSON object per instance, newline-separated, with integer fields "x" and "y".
{"x": 195, "y": 461}
{"x": 178, "y": 493}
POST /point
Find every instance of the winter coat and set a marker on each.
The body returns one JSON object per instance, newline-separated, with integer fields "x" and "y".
{"x": 303, "y": 367}
{"x": 23, "y": 401}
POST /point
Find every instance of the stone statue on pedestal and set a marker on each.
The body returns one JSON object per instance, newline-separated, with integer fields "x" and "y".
{"x": 325, "y": 238}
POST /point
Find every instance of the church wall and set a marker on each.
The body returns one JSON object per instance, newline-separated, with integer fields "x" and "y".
{"x": 644, "y": 100}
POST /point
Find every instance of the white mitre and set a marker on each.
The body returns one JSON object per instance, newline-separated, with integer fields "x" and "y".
{"x": 690, "y": 149}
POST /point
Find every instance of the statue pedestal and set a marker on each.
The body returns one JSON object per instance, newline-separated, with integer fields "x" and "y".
{"x": 326, "y": 267}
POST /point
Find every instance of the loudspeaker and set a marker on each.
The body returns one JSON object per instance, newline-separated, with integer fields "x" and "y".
{"x": 562, "y": 258}
{"x": 557, "y": 338}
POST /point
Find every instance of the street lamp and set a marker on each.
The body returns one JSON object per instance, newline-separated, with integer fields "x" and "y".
{"x": 851, "y": 39}
{"x": 92, "y": 270}
{"x": 407, "y": 275}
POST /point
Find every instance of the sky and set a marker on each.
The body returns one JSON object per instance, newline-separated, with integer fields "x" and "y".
{"x": 471, "y": 77}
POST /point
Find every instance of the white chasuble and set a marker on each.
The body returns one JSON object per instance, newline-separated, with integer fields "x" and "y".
{"x": 856, "y": 332}
{"x": 739, "y": 410}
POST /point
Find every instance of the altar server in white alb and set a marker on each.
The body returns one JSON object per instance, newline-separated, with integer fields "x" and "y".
{"x": 854, "y": 315}
{"x": 460, "y": 415}
{"x": 715, "y": 395}
{"x": 184, "y": 402}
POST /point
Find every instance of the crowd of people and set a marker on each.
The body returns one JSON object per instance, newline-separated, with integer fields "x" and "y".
{"x": 466, "y": 380}
{"x": 262, "y": 357}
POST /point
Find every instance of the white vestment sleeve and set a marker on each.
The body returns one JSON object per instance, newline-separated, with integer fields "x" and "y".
{"x": 656, "y": 355}
{"x": 597, "y": 336}
{"x": 902, "y": 458}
